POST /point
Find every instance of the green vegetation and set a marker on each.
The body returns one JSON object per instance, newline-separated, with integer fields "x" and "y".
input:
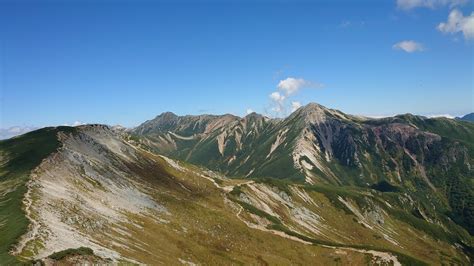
{"x": 333, "y": 192}
{"x": 408, "y": 215}
{"x": 368, "y": 165}
{"x": 71, "y": 252}
{"x": 27, "y": 151}
{"x": 281, "y": 184}
{"x": 395, "y": 154}
{"x": 402, "y": 258}
{"x": 20, "y": 155}
{"x": 250, "y": 208}
{"x": 236, "y": 191}
{"x": 384, "y": 186}
{"x": 14, "y": 222}
{"x": 218, "y": 181}
{"x": 431, "y": 229}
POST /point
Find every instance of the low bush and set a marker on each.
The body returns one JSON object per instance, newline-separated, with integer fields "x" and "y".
{"x": 71, "y": 252}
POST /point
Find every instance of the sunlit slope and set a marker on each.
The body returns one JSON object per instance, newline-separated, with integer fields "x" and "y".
{"x": 97, "y": 190}
{"x": 428, "y": 159}
{"x": 18, "y": 157}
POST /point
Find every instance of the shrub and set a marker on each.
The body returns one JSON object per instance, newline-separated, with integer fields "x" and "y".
{"x": 71, "y": 252}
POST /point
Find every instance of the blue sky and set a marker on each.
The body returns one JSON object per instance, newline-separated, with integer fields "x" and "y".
{"x": 126, "y": 62}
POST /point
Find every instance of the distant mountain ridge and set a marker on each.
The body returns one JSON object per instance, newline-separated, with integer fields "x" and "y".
{"x": 319, "y": 145}
{"x": 468, "y": 117}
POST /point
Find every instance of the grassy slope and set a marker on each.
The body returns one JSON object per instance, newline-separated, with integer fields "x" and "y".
{"x": 19, "y": 156}
{"x": 461, "y": 132}
{"x": 434, "y": 247}
{"x": 457, "y": 183}
{"x": 202, "y": 228}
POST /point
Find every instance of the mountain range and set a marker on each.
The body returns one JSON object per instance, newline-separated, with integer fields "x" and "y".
{"x": 468, "y": 117}
{"x": 318, "y": 185}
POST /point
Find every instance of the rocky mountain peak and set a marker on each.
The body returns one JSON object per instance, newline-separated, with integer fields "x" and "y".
{"x": 166, "y": 115}
{"x": 312, "y": 113}
{"x": 314, "y": 106}
{"x": 467, "y": 117}
{"x": 253, "y": 114}
{"x": 254, "y": 117}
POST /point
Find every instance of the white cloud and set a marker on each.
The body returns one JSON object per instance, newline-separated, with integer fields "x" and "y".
{"x": 442, "y": 115}
{"x": 457, "y": 22}
{"x": 278, "y": 102}
{"x": 6, "y": 133}
{"x": 286, "y": 89}
{"x": 249, "y": 111}
{"x": 277, "y": 97}
{"x": 15, "y": 130}
{"x": 295, "y": 106}
{"x": 408, "y": 46}
{"x": 411, "y": 4}
{"x": 74, "y": 124}
{"x": 292, "y": 85}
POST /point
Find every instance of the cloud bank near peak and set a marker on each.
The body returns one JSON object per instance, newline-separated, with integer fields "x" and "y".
{"x": 287, "y": 88}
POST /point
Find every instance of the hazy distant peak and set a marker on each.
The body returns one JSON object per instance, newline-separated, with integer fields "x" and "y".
{"x": 467, "y": 117}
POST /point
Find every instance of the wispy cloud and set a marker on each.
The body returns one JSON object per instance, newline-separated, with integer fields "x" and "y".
{"x": 278, "y": 102}
{"x": 412, "y": 4}
{"x": 249, "y": 111}
{"x": 295, "y": 106}
{"x": 408, "y": 46}
{"x": 347, "y": 24}
{"x": 203, "y": 110}
{"x": 441, "y": 115}
{"x": 292, "y": 85}
{"x": 6, "y": 133}
{"x": 74, "y": 124}
{"x": 457, "y": 22}
{"x": 286, "y": 88}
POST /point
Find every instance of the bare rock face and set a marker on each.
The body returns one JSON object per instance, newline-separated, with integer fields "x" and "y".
{"x": 84, "y": 189}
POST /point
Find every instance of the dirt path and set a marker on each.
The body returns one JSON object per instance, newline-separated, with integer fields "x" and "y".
{"x": 32, "y": 227}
